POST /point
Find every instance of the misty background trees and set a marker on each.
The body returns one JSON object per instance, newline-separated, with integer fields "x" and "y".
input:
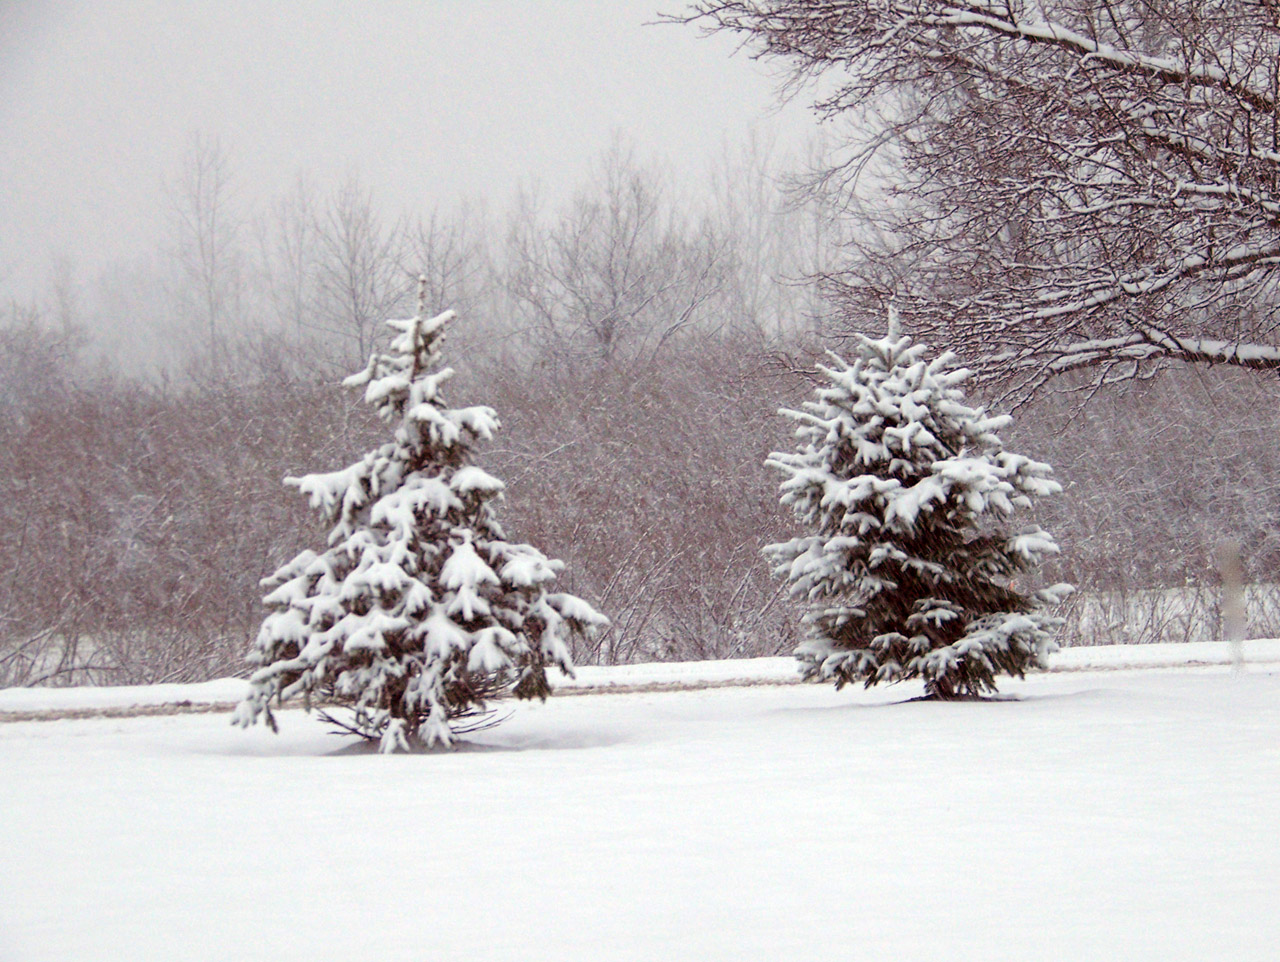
{"x": 638, "y": 340}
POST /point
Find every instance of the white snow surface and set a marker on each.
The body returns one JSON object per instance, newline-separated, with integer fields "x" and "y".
{"x": 1088, "y": 815}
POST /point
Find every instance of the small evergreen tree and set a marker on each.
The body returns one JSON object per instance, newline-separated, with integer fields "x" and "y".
{"x": 420, "y": 610}
{"x": 910, "y": 572}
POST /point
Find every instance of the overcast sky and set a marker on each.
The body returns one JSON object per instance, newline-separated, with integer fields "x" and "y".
{"x": 427, "y": 101}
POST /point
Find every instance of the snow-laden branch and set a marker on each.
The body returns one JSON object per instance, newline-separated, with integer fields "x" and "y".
{"x": 1000, "y": 19}
{"x": 1145, "y": 347}
{"x": 1243, "y": 257}
{"x": 1043, "y": 185}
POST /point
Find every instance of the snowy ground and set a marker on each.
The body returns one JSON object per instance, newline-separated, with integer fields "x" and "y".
{"x": 1100, "y": 815}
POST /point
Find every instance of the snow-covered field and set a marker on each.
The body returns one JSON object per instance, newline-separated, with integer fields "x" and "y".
{"x": 1097, "y": 815}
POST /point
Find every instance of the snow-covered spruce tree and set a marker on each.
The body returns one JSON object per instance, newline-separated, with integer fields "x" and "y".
{"x": 420, "y": 610}
{"x": 910, "y": 570}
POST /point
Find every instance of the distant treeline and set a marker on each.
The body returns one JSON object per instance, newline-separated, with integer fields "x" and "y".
{"x": 636, "y": 346}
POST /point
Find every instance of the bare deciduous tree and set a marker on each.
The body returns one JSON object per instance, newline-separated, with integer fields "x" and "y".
{"x": 1065, "y": 184}
{"x": 360, "y": 276}
{"x": 619, "y": 275}
{"x": 775, "y": 238}
{"x": 207, "y": 239}
{"x": 287, "y": 251}
{"x": 451, "y": 257}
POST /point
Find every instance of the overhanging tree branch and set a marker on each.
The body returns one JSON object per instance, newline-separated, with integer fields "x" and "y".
{"x": 1049, "y": 185}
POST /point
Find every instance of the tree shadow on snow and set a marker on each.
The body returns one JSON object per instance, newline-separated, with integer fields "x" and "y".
{"x": 363, "y": 746}
{"x": 999, "y": 698}
{"x": 321, "y": 744}
{"x": 501, "y": 742}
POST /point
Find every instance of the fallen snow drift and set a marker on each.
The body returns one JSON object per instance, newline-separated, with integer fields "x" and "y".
{"x": 1096, "y": 816}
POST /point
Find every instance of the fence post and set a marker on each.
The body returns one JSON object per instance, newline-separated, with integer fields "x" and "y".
{"x": 1232, "y": 604}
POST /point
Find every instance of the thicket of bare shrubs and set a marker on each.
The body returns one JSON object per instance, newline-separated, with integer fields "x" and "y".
{"x": 636, "y": 348}
{"x": 1159, "y": 476}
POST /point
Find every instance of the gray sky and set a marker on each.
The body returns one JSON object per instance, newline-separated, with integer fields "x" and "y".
{"x": 427, "y": 101}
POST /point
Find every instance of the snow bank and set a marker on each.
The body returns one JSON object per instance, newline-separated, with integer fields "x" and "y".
{"x": 1169, "y": 655}
{"x": 654, "y": 675}
{"x": 682, "y": 674}
{"x": 88, "y": 698}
